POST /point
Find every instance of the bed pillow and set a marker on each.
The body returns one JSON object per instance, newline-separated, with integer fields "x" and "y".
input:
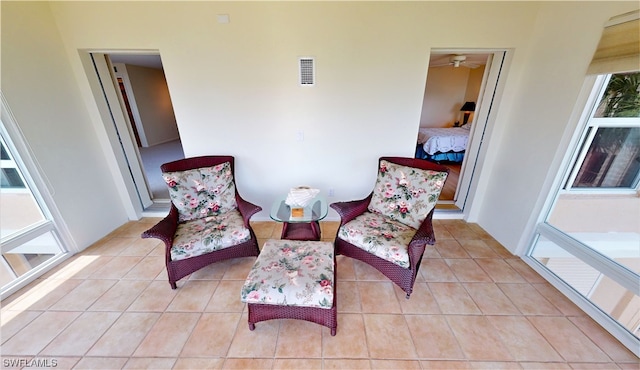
{"x": 406, "y": 194}
{"x": 202, "y": 192}
{"x": 422, "y": 136}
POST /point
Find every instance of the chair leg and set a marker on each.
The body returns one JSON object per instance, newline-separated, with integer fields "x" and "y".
{"x": 252, "y": 326}
{"x": 173, "y": 285}
{"x": 408, "y": 296}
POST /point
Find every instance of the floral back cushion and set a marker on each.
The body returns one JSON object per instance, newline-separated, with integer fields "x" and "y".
{"x": 202, "y": 192}
{"x": 406, "y": 194}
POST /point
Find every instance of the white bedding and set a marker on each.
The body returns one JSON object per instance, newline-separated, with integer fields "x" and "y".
{"x": 450, "y": 139}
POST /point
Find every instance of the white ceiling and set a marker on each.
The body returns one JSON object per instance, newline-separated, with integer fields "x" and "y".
{"x": 440, "y": 59}
{"x": 142, "y": 60}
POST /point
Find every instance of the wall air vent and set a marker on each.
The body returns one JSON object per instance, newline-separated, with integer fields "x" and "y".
{"x": 307, "y": 71}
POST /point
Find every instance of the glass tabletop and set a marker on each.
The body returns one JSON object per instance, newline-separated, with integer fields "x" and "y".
{"x": 315, "y": 211}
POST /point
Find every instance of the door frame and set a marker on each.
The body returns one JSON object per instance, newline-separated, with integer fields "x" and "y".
{"x": 482, "y": 120}
{"x": 120, "y": 72}
{"x": 122, "y": 125}
{"x": 491, "y": 88}
{"x": 120, "y": 143}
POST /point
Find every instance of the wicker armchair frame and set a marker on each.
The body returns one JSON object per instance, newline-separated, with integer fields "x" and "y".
{"x": 403, "y": 277}
{"x": 166, "y": 228}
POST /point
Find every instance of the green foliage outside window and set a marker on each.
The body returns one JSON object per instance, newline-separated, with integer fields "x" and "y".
{"x": 621, "y": 97}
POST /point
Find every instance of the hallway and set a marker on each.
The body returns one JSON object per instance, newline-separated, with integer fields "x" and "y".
{"x": 152, "y": 158}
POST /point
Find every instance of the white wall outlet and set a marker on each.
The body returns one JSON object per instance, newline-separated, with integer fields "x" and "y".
{"x": 332, "y": 192}
{"x": 299, "y": 135}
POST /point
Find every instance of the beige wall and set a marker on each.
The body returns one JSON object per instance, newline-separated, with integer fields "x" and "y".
{"x": 444, "y": 95}
{"x": 18, "y": 211}
{"x": 597, "y": 213}
{"x": 154, "y": 104}
{"x": 474, "y": 84}
{"x": 234, "y": 90}
{"x": 473, "y": 88}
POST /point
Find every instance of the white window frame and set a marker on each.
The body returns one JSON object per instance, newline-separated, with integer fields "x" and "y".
{"x": 591, "y": 96}
{"x": 10, "y": 163}
{"x": 42, "y": 191}
{"x": 588, "y": 132}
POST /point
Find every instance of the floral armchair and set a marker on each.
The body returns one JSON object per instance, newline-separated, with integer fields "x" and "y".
{"x": 390, "y": 228}
{"x": 208, "y": 220}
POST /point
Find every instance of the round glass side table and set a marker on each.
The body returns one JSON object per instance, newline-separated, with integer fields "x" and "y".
{"x": 300, "y": 224}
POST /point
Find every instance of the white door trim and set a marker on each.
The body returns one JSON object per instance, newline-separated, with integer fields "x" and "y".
{"x": 481, "y": 120}
{"x": 120, "y": 71}
{"x": 490, "y": 90}
{"x": 120, "y": 135}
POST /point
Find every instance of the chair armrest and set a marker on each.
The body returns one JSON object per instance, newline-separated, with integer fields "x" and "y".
{"x": 165, "y": 229}
{"x": 425, "y": 233}
{"x": 247, "y": 209}
{"x": 420, "y": 239}
{"x": 351, "y": 209}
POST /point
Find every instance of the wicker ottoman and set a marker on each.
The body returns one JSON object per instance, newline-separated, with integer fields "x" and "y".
{"x": 293, "y": 279}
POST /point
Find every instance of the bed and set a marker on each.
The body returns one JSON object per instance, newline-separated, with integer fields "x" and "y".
{"x": 442, "y": 144}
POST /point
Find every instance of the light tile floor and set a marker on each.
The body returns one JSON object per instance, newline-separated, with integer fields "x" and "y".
{"x": 474, "y": 306}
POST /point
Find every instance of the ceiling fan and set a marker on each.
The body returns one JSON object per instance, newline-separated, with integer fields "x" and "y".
{"x": 455, "y": 60}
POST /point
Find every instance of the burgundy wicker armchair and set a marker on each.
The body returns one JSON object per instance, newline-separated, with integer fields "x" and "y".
{"x": 390, "y": 228}
{"x": 208, "y": 221}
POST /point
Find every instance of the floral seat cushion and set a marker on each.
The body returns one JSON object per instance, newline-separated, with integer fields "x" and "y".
{"x": 292, "y": 273}
{"x": 406, "y": 194}
{"x": 208, "y": 234}
{"x": 202, "y": 192}
{"x": 380, "y": 236}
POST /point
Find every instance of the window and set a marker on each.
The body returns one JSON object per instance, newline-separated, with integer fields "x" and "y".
{"x": 589, "y": 236}
{"x": 9, "y": 175}
{"x": 609, "y": 157}
{"x": 612, "y": 159}
{"x": 620, "y": 98}
{"x": 31, "y": 240}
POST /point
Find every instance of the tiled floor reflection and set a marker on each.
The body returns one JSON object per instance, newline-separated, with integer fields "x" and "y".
{"x": 474, "y": 306}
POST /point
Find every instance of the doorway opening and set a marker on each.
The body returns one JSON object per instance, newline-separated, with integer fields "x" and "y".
{"x": 145, "y": 124}
{"x": 459, "y": 94}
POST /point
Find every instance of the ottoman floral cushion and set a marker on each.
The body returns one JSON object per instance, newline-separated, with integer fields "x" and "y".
{"x": 406, "y": 194}
{"x": 208, "y": 234}
{"x": 202, "y": 192}
{"x": 380, "y": 236}
{"x": 292, "y": 273}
